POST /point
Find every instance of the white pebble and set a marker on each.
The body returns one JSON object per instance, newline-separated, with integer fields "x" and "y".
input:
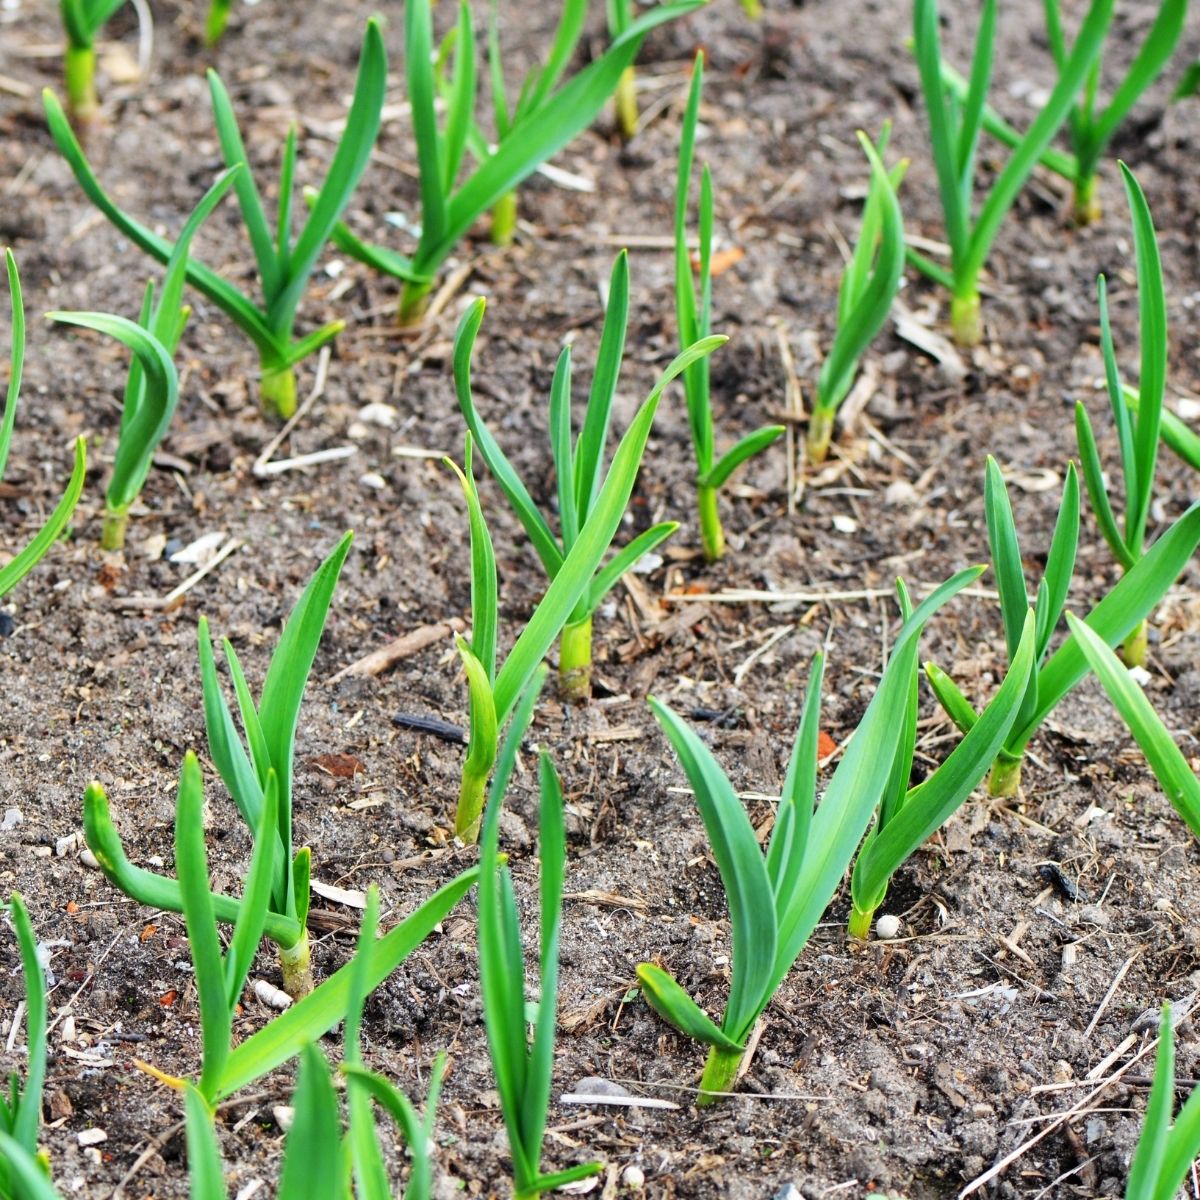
{"x": 89, "y": 860}
{"x": 12, "y": 818}
{"x": 887, "y": 927}
{"x": 92, "y": 1137}
{"x": 633, "y": 1177}
{"x": 373, "y": 479}
{"x": 271, "y": 996}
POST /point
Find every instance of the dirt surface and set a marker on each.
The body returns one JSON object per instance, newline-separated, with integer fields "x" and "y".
{"x": 905, "y": 1068}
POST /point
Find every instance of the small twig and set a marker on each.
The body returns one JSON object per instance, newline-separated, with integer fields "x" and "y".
{"x": 753, "y": 657}
{"x": 317, "y": 391}
{"x": 1112, "y": 989}
{"x": 280, "y": 465}
{"x": 398, "y": 649}
{"x": 158, "y": 603}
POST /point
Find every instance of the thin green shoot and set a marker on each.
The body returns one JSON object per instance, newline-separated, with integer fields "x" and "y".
{"x": 152, "y": 386}
{"x": 693, "y": 310}
{"x": 775, "y": 900}
{"x": 82, "y": 20}
{"x": 954, "y": 128}
{"x": 1160, "y": 747}
{"x": 909, "y": 815}
{"x": 578, "y": 582}
{"x": 27, "y": 558}
{"x": 1137, "y": 428}
{"x": 547, "y": 119}
{"x": 1115, "y": 616}
{"x": 1167, "y": 1148}
{"x": 21, "y": 1104}
{"x": 619, "y": 14}
{"x": 523, "y": 1065}
{"x": 216, "y": 20}
{"x": 579, "y": 466}
{"x": 284, "y": 266}
{"x": 270, "y": 732}
{"x": 869, "y": 285}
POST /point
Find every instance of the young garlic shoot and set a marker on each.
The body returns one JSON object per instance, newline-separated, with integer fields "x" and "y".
{"x": 220, "y": 977}
{"x": 908, "y": 816}
{"x": 619, "y": 14}
{"x": 869, "y": 285}
{"x": 693, "y": 310}
{"x": 284, "y": 266}
{"x": 216, "y": 20}
{"x": 1138, "y": 427}
{"x": 1167, "y": 1148}
{"x": 537, "y": 90}
{"x": 776, "y": 900}
{"x": 82, "y": 20}
{"x": 1091, "y": 129}
{"x": 27, "y": 558}
{"x": 270, "y": 733}
{"x": 577, "y": 581}
{"x": 1157, "y": 743}
{"x": 1113, "y": 618}
{"x": 21, "y": 1105}
{"x": 954, "y": 128}
{"x": 523, "y": 1064}
{"x": 152, "y": 386}
{"x": 579, "y": 466}
{"x": 538, "y": 132}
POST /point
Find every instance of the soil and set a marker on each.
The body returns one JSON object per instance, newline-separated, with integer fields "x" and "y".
{"x": 906, "y": 1067}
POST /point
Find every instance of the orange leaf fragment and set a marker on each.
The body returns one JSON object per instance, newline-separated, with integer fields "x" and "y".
{"x": 168, "y": 998}
{"x": 825, "y": 745}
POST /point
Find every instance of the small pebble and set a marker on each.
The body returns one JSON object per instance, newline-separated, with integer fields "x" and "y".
{"x": 900, "y": 494}
{"x": 12, "y": 818}
{"x": 92, "y": 1137}
{"x": 89, "y": 860}
{"x": 372, "y": 479}
{"x": 284, "y": 1115}
{"x": 7, "y": 624}
{"x": 66, "y": 845}
{"x": 887, "y": 927}
{"x": 633, "y": 1177}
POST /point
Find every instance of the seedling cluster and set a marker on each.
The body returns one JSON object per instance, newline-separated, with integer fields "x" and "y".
{"x": 833, "y": 844}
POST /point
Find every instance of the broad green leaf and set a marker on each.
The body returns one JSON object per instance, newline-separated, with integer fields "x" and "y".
{"x": 1146, "y": 1169}
{"x": 675, "y": 1006}
{"x": 191, "y": 865}
{"x": 312, "y": 1160}
{"x": 318, "y": 1012}
{"x": 206, "y": 1176}
{"x": 27, "y": 1170}
{"x": 1160, "y": 748}
{"x": 748, "y": 890}
{"x": 1182, "y": 1150}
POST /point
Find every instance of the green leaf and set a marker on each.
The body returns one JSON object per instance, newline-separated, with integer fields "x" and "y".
{"x": 484, "y": 726}
{"x": 957, "y": 707}
{"x": 675, "y": 1006}
{"x": 1093, "y": 477}
{"x": 1006, "y": 556}
{"x": 318, "y": 1012}
{"x": 28, "y": 1115}
{"x": 206, "y": 1175}
{"x": 752, "y": 444}
{"x": 561, "y": 450}
{"x": 1146, "y": 1169}
{"x": 748, "y": 889}
{"x": 25, "y": 560}
{"x": 1114, "y": 618}
{"x": 27, "y": 1170}
{"x": 191, "y": 864}
{"x": 1158, "y": 745}
{"x": 484, "y": 599}
{"x": 625, "y": 560}
{"x": 1060, "y": 564}
{"x": 931, "y": 804}
{"x": 575, "y": 575}
{"x": 312, "y": 1160}
{"x": 16, "y": 358}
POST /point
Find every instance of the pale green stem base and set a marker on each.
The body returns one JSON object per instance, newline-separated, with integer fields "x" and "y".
{"x": 1004, "y": 779}
{"x": 1086, "y": 201}
{"x": 1136, "y": 645}
{"x": 752, "y": 8}
{"x": 112, "y": 531}
{"x": 470, "y": 805}
{"x": 626, "y": 105}
{"x": 504, "y": 219}
{"x": 296, "y": 964}
{"x": 80, "y": 70}
{"x": 720, "y": 1071}
{"x": 712, "y": 535}
{"x": 216, "y": 21}
{"x": 859, "y": 925}
{"x": 966, "y": 322}
{"x": 414, "y": 300}
{"x": 277, "y": 393}
{"x": 575, "y": 661}
{"x": 820, "y": 434}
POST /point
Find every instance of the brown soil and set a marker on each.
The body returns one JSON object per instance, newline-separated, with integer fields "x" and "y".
{"x": 907, "y": 1067}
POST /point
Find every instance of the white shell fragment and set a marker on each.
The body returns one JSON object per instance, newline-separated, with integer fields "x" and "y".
{"x": 201, "y": 550}
{"x": 271, "y": 996}
{"x": 887, "y": 927}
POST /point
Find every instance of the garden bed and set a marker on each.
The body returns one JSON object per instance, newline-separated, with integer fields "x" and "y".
{"x": 908, "y": 1066}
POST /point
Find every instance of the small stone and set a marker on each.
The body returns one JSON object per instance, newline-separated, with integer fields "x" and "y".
{"x": 7, "y": 625}
{"x": 373, "y": 479}
{"x": 887, "y": 927}
{"x": 89, "y": 860}
{"x": 633, "y": 1177}
{"x": 900, "y": 494}
{"x": 92, "y": 1137}
{"x": 66, "y": 845}
{"x": 12, "y": 818}
{"x": 844, "y": 524}
{"x": 284, "y": 1115}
